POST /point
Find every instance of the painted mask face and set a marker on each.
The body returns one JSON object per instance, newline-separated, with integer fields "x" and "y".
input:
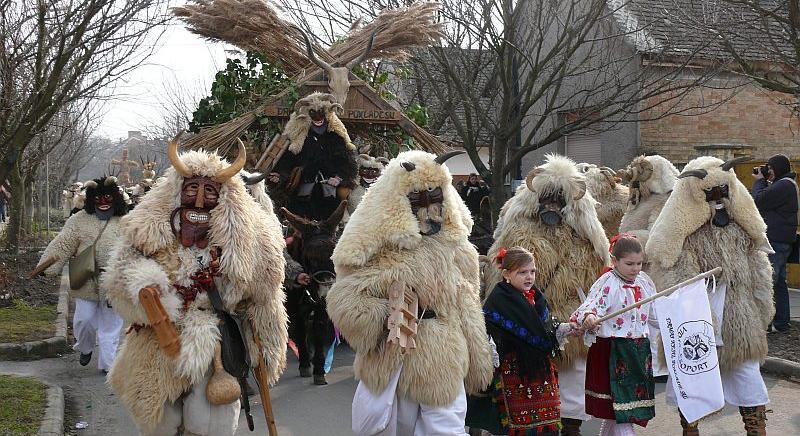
{"x": 104, "y": 207}
{"x": 550, "y": 208}
{"x": 369, "y": 175}
{"x": 198, "y": 196}
{"x": 428, "y": 208}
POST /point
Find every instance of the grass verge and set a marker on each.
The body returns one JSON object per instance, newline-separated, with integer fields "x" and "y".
{"x": 22, "y": 322}
{"x": 22, "y": 408}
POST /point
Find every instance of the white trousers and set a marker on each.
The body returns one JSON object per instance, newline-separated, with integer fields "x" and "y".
{"x": 610, "y": 427}
{"x": 742, "y": 386}
{"x": 197, "y": 416}
{"x": 572, "y": 390}
{"x": 410, "y": 418}
{"x": 94, "y": 323}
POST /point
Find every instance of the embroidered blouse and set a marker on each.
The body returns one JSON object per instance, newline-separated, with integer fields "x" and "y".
{"x": 611, "y": 293}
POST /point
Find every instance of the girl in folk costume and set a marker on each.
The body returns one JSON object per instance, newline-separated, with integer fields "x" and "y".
{"x": 554, "y": 217}
{"x": 519, "y": 321}
{"x": 94, "y": 320}
{"x": 619, "y": 373}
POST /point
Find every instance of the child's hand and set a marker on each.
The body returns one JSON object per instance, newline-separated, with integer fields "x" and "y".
{"x": 575, "y": 329}
{"x": 590, "y": 322}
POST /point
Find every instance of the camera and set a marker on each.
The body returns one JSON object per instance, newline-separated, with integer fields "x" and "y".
{"x": 763, "y": 169}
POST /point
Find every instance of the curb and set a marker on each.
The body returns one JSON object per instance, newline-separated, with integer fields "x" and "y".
{"x": 50, "y": 347}
{"x": 781, "y": 367}
{"x": 53, "y": 419}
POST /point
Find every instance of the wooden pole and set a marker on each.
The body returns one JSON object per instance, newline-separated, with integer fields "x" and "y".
{"x": 47, "y": 263}
{"x": 663, "y": 293}
{"x": 263, "y": 385}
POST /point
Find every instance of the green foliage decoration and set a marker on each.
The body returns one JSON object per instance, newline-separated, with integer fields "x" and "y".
{"x": 239, "y": 88}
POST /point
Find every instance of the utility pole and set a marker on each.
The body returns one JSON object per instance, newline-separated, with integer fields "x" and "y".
{"x": 47, "y": 189}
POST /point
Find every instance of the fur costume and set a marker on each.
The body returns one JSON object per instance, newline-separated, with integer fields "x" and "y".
{"x": 73, "y": 199}
{"x": 365, "y": 161}
{"x": 684, "y": 242}
{"x": 320, "y": 150}
{"x": 651, "y": 179}
{"x": 569, "y": 256}
{"x": 611, "y": 196}
{"x": 250, "y": 279}
{"x": 382, "y": 244}
{"x": 299, "y": 123}
{"x": 80, "y": 231}
{"x": 94, "y": 323}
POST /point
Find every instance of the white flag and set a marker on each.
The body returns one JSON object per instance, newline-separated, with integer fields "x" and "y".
{"x": 690, "y": 350}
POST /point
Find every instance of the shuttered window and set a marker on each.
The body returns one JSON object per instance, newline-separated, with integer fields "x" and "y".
{"x": 582, "y": 147}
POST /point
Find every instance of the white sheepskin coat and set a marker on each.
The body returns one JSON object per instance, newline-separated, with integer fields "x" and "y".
{"x": 78, "y": 233}
{"x": 381, "y": 244}
{"x": 250, "y": 282}
{"x": 569, "y": 256}
{"x": 683, "y": 243}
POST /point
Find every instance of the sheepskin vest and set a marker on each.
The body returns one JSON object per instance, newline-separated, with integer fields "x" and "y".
{"x": 565, "y": 262}
{"x": 748, "y": 300}
{"x": 78, "y": 233}
{"x": 452, "y": 348}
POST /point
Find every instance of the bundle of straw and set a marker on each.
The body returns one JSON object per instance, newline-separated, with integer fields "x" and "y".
{"x": 255, "y": 25}
{"x": 396, "y": 30}
{"x": 252, "y": 25}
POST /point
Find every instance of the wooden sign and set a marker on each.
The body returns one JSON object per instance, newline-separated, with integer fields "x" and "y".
{"x": 402, "y": 322}
{"x": 348, "y": 114}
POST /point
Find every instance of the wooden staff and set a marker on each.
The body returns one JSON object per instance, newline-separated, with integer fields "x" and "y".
{"x": 168, "y": 339}
{"x": 663, "y": 293}
{"x": 263, "y": 385}
{"x": 43, "y": 266}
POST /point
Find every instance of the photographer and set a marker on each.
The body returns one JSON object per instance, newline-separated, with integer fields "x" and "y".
{"x": 775, "y": 195}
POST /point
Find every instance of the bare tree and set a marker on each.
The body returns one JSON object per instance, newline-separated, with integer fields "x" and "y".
{"x": 761, "y": 39}
{"x": 57, "y": 52}
{"x": 525, "y": 73}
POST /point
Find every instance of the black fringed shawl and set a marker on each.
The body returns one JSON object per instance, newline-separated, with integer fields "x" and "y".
{"x": 517, "y": 326}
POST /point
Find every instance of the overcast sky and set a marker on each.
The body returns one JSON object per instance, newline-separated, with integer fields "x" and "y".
{"x": 180, "y": 57}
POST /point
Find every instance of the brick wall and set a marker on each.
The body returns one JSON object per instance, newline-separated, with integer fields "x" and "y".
{"x": 751, "y": 117}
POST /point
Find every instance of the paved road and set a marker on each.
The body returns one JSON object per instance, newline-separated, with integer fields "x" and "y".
{"x": 302, "y": 409}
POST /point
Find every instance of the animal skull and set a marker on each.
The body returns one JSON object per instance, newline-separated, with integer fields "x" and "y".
{"x": 338, "y": 76}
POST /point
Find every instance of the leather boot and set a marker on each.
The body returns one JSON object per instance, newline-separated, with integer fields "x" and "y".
{"x": 689, "y": 429}
{"x": 755, "y": 420}
{"x": 571, "y": 427}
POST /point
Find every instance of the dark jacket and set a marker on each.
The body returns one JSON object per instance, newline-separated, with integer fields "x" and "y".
{"x": 472, "y": 196}
{"x": 777, "y": 203}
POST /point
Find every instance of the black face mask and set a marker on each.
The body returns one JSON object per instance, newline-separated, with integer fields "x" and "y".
{"x": 721, "y": 217}
{"x": 549, "y": 217}
{"x": 550, "y": 209}
{"x": 716, "y": 194}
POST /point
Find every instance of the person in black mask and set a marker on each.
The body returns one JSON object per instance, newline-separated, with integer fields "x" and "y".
{"x": 776, "y": 196}
{"x": 94, "y": 321}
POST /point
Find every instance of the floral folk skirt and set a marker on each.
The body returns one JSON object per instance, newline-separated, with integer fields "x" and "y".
{"x": 619, "y": 380}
